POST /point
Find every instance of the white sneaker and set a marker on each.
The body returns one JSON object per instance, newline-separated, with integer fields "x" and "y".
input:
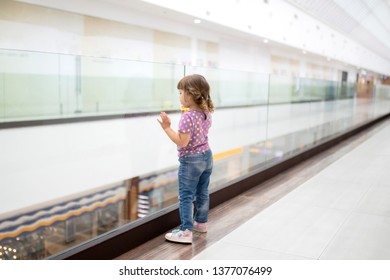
{"x": 179, "y": 236}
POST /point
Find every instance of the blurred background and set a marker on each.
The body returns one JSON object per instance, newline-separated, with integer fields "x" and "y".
{"x": 82, "y": 83}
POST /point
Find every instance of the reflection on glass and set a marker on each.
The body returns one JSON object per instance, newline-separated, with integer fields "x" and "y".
{"x": 46, "y": 231}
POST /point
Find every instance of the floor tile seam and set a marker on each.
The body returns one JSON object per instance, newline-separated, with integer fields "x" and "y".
{"x": 380, "y": 185}
{"x": 342, "y": 225}
{"x": 351, "y": 214}
{"x": 371, "y": 214}
{"x": 369, "y": 189}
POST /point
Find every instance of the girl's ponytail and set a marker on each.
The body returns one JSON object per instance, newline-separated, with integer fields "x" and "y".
{"x": 197, "y": 86}
{"x": 210, "y": 105}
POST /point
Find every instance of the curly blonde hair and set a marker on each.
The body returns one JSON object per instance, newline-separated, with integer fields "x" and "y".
{"x": 197, "y": 86}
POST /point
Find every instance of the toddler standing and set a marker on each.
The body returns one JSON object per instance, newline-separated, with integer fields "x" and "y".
{"x": 195, "y": 156}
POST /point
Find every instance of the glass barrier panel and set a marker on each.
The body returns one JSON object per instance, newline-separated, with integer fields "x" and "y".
{"x": 69, "y": 86}
{"x": 347, "y": 90}
{"x": 2, "y": 96}
{"x": 381, "y": 100}
{"x": 362, "y": 110}
{"x": 236, "y": 88}
{"x": 281, "y": 89}
{"x": 30, "y": 84}
{"x": 47, "y": 86}
{"x": 288, "y": 119}
{"x": 122, "y": 86}
{"x": 352, "y": 89}
{"x": 245, "y": 150}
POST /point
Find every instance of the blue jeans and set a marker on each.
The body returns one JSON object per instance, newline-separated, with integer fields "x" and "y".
{"x": 194, "y": 178}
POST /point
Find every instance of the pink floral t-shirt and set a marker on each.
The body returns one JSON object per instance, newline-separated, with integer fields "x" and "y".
{"x": 197, "y": 123}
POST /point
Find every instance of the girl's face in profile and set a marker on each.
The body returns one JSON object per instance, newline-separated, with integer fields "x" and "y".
{"x": 184, "y": 99}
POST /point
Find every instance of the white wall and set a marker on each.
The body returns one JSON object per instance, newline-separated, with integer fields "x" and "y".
{"x": 238, "y": 54}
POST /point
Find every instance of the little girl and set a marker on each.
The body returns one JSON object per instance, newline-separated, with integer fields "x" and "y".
{"x": 195, "y": 157}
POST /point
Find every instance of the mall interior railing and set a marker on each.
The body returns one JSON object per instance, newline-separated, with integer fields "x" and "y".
{"x": 275, "y": 117}
{"x": 36, "y": 85}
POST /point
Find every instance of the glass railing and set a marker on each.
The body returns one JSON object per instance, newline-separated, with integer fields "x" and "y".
{"x": 45, "y": 86}
{"x": 35, "y": 86}
{"x": 65, "y": 185}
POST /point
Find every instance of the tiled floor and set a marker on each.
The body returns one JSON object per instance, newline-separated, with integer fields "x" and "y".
{"x": 343, "y": 212}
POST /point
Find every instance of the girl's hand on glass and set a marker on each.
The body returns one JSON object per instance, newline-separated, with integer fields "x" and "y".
{"x": 164, "y": 120}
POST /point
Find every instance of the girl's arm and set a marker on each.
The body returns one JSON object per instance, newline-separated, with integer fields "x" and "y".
{"x": 179, "y": 139}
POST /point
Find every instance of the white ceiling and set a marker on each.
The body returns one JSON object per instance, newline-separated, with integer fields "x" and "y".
{"x": 364, "y": 21}
{"x": 363, "y": 24}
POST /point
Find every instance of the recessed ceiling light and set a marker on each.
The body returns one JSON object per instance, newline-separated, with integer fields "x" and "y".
{"x": 265, "y": 41}
{"x": 197, "y": 21}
